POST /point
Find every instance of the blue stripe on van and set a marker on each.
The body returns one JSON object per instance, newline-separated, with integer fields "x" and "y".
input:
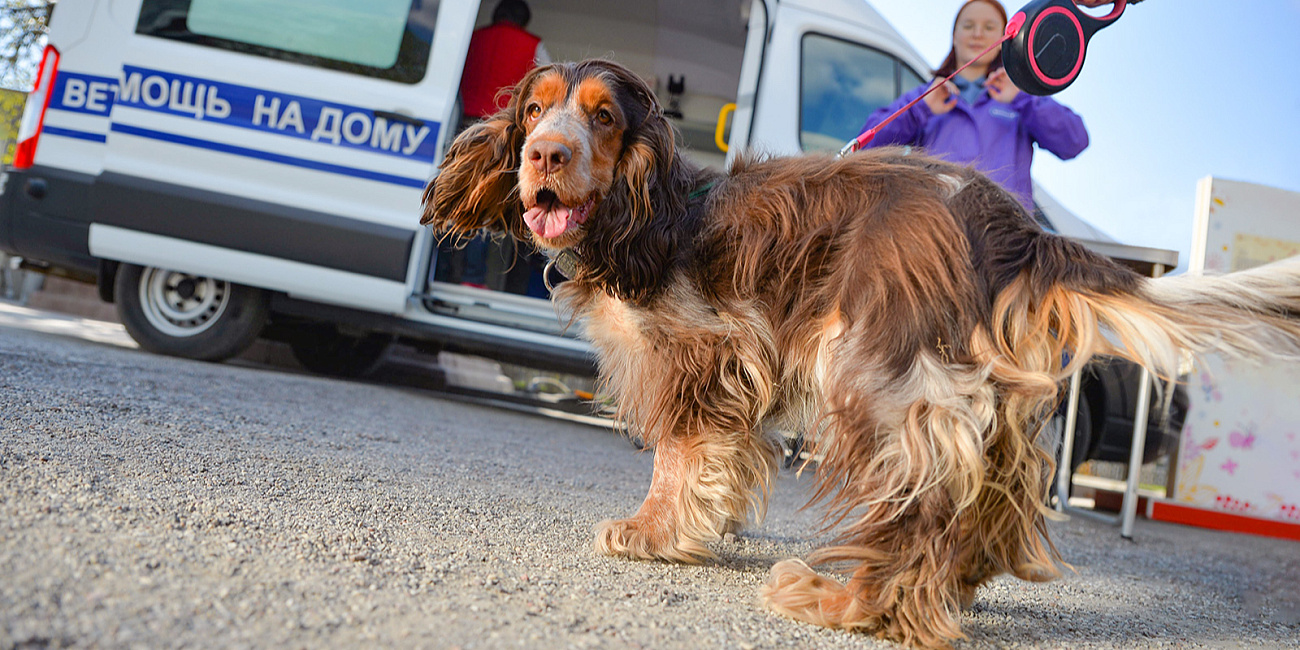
{"x": 268, "y": 156}
{"x": 267, "y": 111}
{"x": 270, "y": 111}
{"x": 72, "y": 133}
{"x": 83, "y": 93}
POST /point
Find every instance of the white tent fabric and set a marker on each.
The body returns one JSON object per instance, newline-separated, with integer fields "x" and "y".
{"x": 1066, "y": 222}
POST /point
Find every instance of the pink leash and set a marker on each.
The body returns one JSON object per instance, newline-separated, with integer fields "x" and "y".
{"x": 1013, "y": 27}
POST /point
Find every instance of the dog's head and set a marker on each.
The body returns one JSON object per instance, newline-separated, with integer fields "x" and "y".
{"x": 581, "y": 157}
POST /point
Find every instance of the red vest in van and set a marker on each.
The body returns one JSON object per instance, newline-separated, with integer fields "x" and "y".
{"x": 499, "y": 56}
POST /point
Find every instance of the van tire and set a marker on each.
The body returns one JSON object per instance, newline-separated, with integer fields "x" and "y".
{"x": 1082, "y": 434}
{"x": 324, "y": 350}
{"x": 189, "y": 316}
{"x": 1082, "y": 439}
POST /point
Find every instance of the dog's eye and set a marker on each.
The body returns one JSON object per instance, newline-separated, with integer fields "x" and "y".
{"x": 605, "y": 117}
{"x": 533, "y": 111}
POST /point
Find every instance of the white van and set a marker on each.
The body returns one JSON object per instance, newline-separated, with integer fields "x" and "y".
{"x": 228, "y": 169}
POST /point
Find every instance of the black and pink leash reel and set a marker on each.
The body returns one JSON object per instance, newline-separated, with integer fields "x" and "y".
{"x": 1046, "y": 53}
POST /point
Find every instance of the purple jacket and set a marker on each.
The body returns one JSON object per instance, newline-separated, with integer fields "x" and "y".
{"x": 997, "y": 139}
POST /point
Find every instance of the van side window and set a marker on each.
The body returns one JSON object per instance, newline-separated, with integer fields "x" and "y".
{"x": 840, "y": 84}
{"x": 388, "y": 39}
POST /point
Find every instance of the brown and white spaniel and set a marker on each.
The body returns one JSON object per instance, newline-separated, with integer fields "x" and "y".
{"x": 904, "y": 312}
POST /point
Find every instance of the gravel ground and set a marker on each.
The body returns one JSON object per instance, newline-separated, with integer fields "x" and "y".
{"x": 154, "y": 502}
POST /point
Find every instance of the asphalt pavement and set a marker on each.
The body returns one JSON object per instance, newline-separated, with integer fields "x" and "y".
{"x": 160, "y": 503}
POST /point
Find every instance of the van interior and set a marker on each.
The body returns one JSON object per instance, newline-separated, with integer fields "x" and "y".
{"x": 689, "y": 51}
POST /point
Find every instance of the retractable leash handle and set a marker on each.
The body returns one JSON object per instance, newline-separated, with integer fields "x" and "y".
{"x": 1047, "y": 53}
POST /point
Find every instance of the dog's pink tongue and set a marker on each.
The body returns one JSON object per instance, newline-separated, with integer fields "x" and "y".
{"x": 548, "y": 223}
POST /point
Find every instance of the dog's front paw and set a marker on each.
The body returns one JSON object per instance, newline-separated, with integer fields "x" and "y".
{"x": 640, "y": 539}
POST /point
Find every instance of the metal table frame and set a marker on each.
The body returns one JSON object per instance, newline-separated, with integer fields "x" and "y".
{"x": 1065, "y": 475}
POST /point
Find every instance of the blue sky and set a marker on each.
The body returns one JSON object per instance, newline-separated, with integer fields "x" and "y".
{"x": 1174, "y": 91}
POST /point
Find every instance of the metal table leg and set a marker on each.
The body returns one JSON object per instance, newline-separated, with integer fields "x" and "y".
{"x": 1065, "y": 473}
{"x": 1129, "y": 510}
{"x": 1135, "y": 455}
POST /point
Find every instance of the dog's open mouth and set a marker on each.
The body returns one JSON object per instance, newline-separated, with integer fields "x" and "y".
{"x": 550, "y": 217}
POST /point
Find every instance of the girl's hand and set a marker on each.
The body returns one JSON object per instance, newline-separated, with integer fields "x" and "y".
{"x": 942, "y": 100}
{"x": 1000, "y": 87}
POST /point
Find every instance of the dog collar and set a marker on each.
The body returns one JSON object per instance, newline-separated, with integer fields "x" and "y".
{"x": 565, "y": 261}
{"x": 701, "y": 190}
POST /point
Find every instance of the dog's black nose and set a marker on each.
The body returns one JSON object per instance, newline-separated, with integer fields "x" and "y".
{"x": 548, "y": 156}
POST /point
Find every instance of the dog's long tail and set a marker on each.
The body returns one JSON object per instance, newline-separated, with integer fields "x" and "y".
{"x": 1079, "y": 315}
{"x": 1066, "y": 306}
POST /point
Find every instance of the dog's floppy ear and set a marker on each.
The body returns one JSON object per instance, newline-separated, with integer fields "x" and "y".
{"x": 630, "y": 248}
{"x": 476, "y": 185}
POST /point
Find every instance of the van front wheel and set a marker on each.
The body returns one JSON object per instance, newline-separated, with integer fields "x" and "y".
{"x": 190, "y": 316}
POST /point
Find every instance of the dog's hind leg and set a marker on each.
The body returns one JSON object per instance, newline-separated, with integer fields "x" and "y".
{"x": 704, "y": 486}
{"x": 904, "y": 469}
{"x": 1005, "y": 531}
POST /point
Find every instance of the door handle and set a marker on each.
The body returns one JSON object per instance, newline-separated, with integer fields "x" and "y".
{"x": 721, "y": 127}
{"x": 398, "y": 117}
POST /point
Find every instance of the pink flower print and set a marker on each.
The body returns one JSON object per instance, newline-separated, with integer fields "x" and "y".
{"x": 1241, "y": 440}
{"x": 1195, "y": 449}
{"x": 1229, "y": 466}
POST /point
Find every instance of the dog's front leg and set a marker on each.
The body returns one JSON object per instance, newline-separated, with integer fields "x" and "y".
{"x": 703, "y": 487}
{"x": 653, "y": 532}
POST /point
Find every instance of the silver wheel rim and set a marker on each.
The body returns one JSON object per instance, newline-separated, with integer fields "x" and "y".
{"x": 182, "y": 305}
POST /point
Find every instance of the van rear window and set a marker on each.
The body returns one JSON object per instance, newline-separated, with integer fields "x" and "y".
{"x": 388, "y": 39}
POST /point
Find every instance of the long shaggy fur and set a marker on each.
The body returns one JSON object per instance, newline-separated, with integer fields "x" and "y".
{"x": 907, "y": 313}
